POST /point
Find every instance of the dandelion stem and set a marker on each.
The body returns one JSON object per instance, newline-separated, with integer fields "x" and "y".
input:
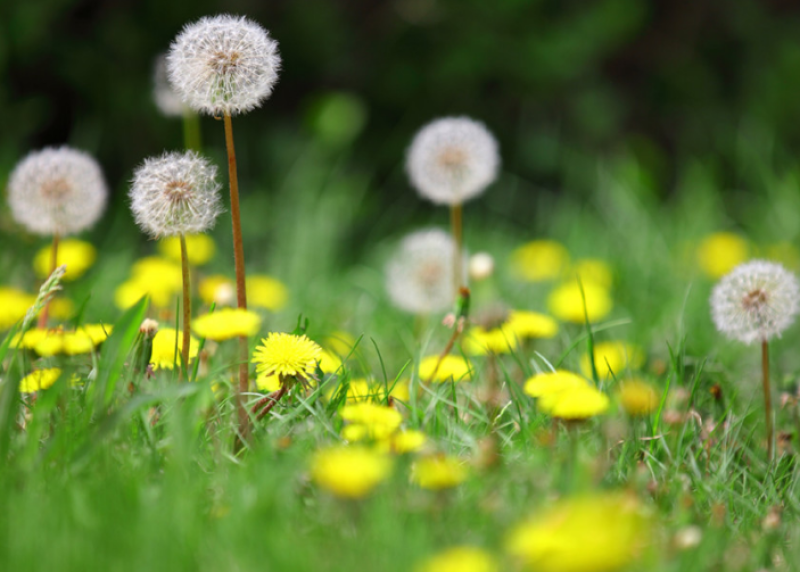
{"x": 458, "y": 240}
{"x": 187, "y": 304}
{"x": 191, "y": 131}
{"x": 767, "y": 396}
{"x": 269, "y": 401}
{"x": 241, "y": 293}
{"x": 42, "y": 323}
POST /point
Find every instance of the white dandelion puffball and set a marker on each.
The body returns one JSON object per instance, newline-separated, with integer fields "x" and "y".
{"x": 452, "y": 160}
{"x": 176, "y": 193}
{"x": 57, "y": 191}
{"x": 167, "y": 100}
{"x": 757, "y": 301}
{"x": 223, "y": 65}
{"x": 419, "y": 277}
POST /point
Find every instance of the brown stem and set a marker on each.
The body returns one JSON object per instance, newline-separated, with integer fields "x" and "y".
{"x": 42, "y": 323}
{"x": 269, "y": 401}
{"x": 187, "y": 305}
{"x": 457, "y": 327}
{"x": 767, "y": 396}
{"x": 241, "y": 293}
{"x": 456, "y": 229}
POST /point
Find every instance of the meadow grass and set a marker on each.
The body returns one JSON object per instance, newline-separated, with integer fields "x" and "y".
{"x": 127, "y": 472}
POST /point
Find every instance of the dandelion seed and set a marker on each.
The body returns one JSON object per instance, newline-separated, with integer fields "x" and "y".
{"x": 452, "y": 160}
{"x": 223, "y": 65}
{"x": 57, "y": 191}
{"x": 167, "y": 100}
{"x": 418, "y": 277}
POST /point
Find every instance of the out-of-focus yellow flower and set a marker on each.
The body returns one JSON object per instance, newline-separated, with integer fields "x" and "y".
{"x": 786, "y": 253}
{"x": 14, "y": 305}
{"x": 268, "y": 383}
{"x": 719, "y": 253}
{"x": 349, "y": 471}
{"x": 360, "y": 390}
{"x": 371, "y": 420}
{"x": 638, "y": 398}
{"x": 53, "y": 342}
{"x": 455, "y": 368}
{"x": 341, "y": 343}
{"x": 328, "y": 362}
{"x": 437, "y": 472}
{"x": 527, "y": 324}
{"x": 552, "y": 382}
{"x": 460, "y": 559}
{"x": 286, "y": 355}
{"x": 167, "y": 347}
{"x": 593, "y": 270}
{"x": 479, "y": 341}
{"x": 566, "y": 302}
{"x": 217, "y": 289}
{"x": 596, "y": 533}
{"x": 200, "y": 248}
{"x": 165, "y": 272}
{"x": 61, "y": 308}
{"x": 129, "y": 293}
{"x": 540, "y": 261}
{"x": 611, "y": 357}
{"x": 39, "y": 379}
{"x": 77, "y": 255}
{"x": 580, "y": 402}
{"x": 402, "y": 442}
{"x": 227, "y": 323}
{"x": 266, "y": 292}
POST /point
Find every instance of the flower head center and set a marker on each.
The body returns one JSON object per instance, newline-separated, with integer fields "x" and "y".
{"x": 225, "y": 63}
{"x": 429, "y": 274}
{"x": 754, "y": 300}
{"x": 56, "y": 190}
{"x": 453, "y": 158}
{"x": 178, "y": 191}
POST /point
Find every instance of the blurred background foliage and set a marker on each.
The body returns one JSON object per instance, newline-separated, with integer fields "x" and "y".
{"x": 685, "y": 91}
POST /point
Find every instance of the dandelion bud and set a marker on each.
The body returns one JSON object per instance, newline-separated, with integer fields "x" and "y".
{"x": 223, "y": 65}
{"x": 419, "y": 276}
{"x": 57, "y": 191}
{"x": 452, "y": 160}
{"x": 176, "y": 193}
{"x": 757, "y": 301}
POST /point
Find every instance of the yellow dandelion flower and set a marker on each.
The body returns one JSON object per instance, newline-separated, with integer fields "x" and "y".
{"x": 597, "y": 533}
{"x": 200, "y": 248}
{"x": 77, "y": 255}
{"x": 62, "y": 308}
{"x": 167, "y": 345}
{"x": 525, "y": 324}
{"x": 401, "y": 442}
{"x": 379, "y": 421}
{"x": 638, "y": 398}
{"x": 349, "y": 471}
{"x": 540, "y": 261}
{"x": 341, "y": 343}
{"x": 566, "y": 302}
{"x": 14, "y": 305}
{"x": 455, "y": 368}
{"x": 551, "y": 382}
{"x": 400, "y": 390}
{"x": 54, "y": 342}
{"x": 612, "y": 357}
{"x": 266, "y": 292}
{"x": 721, "y": 252}
{"x": 39, "y": 379}
{"x": 29, "y": 340}
{"x": 217, "y": 289}
{"x": 479, "y": 341}
{"x": 328, "y": 362}
{"x": 165, "y": 272}
{"x": 438, "y": 472}
{"x": 580, "y": 402}
{"x": 227, "y": 323}
{"x": 268, "y": 383}
{"x": 460, "y": 559}
{"x": 358, "y": 390}
{"x": 286, "y": 355}
{"x": 593, "y": 270}
{"x": 129, "y": 293}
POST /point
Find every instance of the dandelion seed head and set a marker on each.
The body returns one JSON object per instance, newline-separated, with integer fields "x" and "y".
{"x": 176, "y": 193}
{"x": 452, "y": 160}
{"x": 57, "y": 191}
{"x": 755, "y": 302}
{"x": 167, "y": 100}
{"x": 419, "y": 278}
{"x": 223, "y": 65}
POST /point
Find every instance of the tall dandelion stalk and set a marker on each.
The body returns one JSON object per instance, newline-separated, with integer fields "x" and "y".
{"x": 224, "y": 66}
{"x": 756, "y": 302}
{"x": 450, "y": 161}
{"x": 56, "y": 192}
{"x": 174, "y": 195}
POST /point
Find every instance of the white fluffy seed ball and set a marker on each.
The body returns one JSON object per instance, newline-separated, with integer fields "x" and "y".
{"x": 419, "y": 277}
{"x": 176, "y": 193}
{"x": 223, "y": 65}
{"x": 57, "y": 191}
{"x": 167, "y": 100}
{"x": 452, "y": 160}
{"x": 755, "y": 302}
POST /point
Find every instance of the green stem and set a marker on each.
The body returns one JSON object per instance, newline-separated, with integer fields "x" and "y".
{"x": 191, "y": 131}
{"x": 456, "y": 228}
{"x": 42, "y": 323}
{"x": 767, "y": 397}
{"x": 187, "y": 304}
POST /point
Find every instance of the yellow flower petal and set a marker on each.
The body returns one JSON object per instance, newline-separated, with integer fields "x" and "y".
{"x": 227, "y": 323}
{"x": 200, "y": 248}
{"x": 611, "y": 358}
{"x": 454, "y": 368}
{"x": 540, "y": 261}
{"x": 77, "y": 255}
{"x": 349, "y": 471}
{"x": 460, "y": 559}
{"x": 167, "y": 348}
{"x": 286, "y": 355}
{"x": 566, "y": 302}
{"x": 721, "y": 252}
{"x": 266, "y": 292}
{"x": 39, "y": 379}
{"x": 438, "y": 472}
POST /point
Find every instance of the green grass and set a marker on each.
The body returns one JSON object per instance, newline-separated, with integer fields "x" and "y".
{"x": 105, "y": 478}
